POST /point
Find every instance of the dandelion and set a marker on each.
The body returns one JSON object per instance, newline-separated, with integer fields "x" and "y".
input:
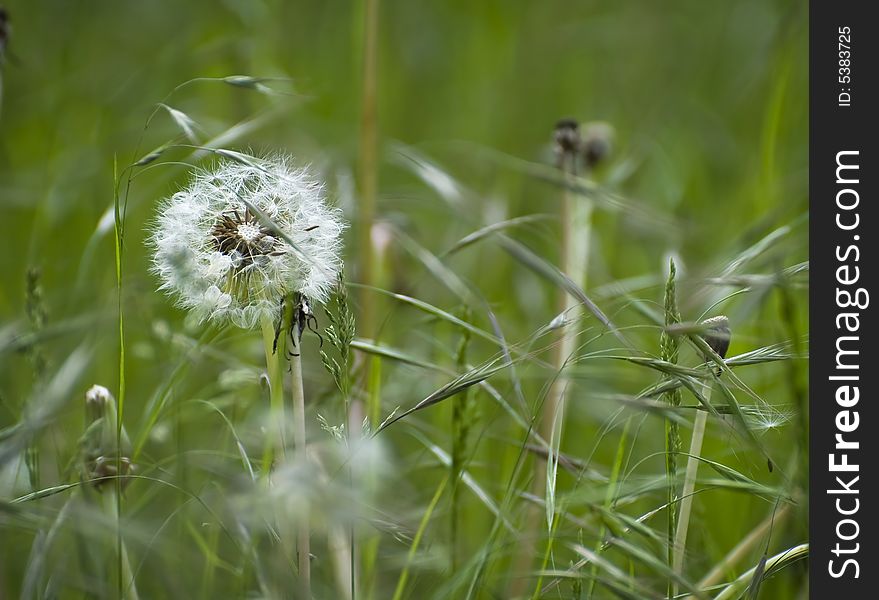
{"x": 252, "y": 242}
{"x": 243, "y": 236}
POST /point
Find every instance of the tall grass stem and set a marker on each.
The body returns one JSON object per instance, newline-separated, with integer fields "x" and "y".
{"x": 126, "y": 582}
{"x": 669, "y": 349}
{"x": 404, "y": 576}
{"x": 686, "y": 504}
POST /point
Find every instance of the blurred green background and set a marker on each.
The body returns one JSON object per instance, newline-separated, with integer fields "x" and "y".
{"x": 709, "y": 105}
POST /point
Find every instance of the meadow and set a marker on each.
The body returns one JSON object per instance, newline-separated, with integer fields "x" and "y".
{"x": 510, "y": 390}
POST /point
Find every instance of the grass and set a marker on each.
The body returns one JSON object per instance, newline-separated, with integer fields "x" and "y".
{"x": 459, "y": 446}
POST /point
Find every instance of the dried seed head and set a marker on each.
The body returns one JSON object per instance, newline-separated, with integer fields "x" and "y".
{"x": 716, "y": 332}
{"x": 597, "y": 143}
{"x": 567, "y": 138}
{"x": 218, "y": 255}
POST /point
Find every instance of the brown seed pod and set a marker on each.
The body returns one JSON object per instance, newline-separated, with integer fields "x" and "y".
{"x": 567, "y": 138}
{"x": 716, "y": 333}
{"x": 597, "y": 143}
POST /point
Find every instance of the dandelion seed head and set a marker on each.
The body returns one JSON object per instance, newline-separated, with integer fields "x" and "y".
{"x": 222, "y": 246}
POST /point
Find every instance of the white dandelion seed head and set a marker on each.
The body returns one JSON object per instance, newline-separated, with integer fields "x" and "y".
{"x": 223, "y": 262}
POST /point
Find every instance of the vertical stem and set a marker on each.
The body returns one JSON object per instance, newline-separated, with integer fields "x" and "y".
{"x": 669, "y": 350}
{"x": 404, "y": 576}
{"x": 576, "y": 222}
{"x": 576, "y": 217}
{"x": 686, "y": 503}
{"x": 119, "y": 213}
{"x": 368, "y": 167}
{"x": 368, "y": 185}
{"x": 460, "y": 431}
{"x": 126, "y": 582}
{"x": 303, "y": 539}
{"x": 742, "y": 549}
{"x": 610, "y": 498}
{"x": 276, "y": 440}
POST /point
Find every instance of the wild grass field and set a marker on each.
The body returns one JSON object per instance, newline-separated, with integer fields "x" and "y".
{"x": 510, "y": 390}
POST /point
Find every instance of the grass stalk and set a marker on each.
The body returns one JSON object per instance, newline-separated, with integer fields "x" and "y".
{"x": 669, "y": 347}
{"x": 111, "y": 508}
{"x": 422, "y": 526}
{"x": 119, "y": 207}
{"x": 735, "y": 589}
{"x": 686, "y": 503}
{"x": 367, "y": 172}
{"x": 734, "y": 556}
{"x": 610, "y": 497}
{"x": 368, "y": 188}
{"x": 461, "y": 424}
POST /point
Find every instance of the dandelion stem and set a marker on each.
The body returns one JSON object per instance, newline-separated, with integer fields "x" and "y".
{"x": 680, "y": 541}
{"x": 276, "y": 441}
{"x": 576, "y": 219}
{"x": 303, "y": 543}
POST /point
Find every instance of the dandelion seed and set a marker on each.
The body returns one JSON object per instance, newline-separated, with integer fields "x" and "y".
{"x": 764, "y": 418}
{"x": 215, "y": 252}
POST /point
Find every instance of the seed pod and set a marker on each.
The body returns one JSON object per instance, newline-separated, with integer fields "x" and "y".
{"x": 597, "y": 143}
{"x": 567, "y": 139}
{"x": 716, "y": 333}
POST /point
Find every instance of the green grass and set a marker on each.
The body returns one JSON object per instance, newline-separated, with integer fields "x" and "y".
{"x": 428, "y": 444}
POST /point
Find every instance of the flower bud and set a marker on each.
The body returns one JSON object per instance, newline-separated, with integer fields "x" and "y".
{"x": 105, "y": 452}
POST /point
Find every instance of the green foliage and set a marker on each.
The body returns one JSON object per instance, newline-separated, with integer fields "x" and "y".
{"x": 340, "y": 334}
{"x": 107, "y": 110}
